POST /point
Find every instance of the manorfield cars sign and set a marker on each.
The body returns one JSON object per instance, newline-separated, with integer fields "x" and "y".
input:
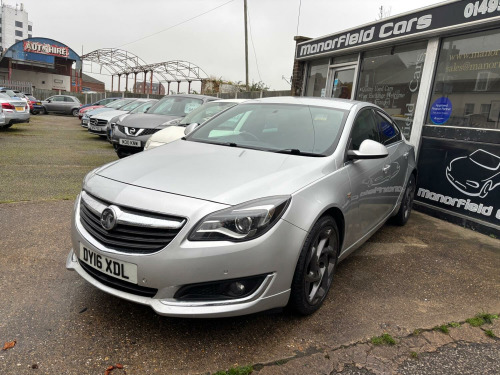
{"x": 46, "y": 49}
{"x": 429, "y": 21}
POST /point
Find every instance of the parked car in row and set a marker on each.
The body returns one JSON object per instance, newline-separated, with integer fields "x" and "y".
{"x": 143, "y": 108}
{"x": 197, "y": 116}
{"x": 14, "y": 109}
{"x": 35, "y": 105}
{"x": 98, "y": 104}
{"x": 251, "y": 211}
{"x": 99, "y": 123}
{"x": 63, "y": 104}
{"x": 117, "y": 104}
{"x": 130, "y": 134}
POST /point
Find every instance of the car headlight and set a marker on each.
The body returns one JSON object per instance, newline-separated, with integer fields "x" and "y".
{"x": 242, "y": 222}
{"x": 471, "y": 183}
{"x": 172, "y": 122}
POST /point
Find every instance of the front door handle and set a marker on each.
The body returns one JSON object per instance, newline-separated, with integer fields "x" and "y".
{"x": 405, "y": 155}
{"x": 386, "y": 168}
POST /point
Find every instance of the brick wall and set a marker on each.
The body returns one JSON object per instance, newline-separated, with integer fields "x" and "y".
{"x": 298, "y": 70}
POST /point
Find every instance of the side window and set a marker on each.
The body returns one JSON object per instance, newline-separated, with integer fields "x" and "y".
{"x": 364, "y": 127}
{"x": 57, "y": 99}
{"x": 388, "y": 133}
{"x": 68, "y": 99}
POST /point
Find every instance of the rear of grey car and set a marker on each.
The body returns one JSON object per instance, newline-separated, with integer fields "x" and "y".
{"x": 251, "y": 211}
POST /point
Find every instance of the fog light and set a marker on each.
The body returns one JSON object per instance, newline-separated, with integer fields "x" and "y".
{"x": 237, "y": 288}
{"x": 243, "y": 224}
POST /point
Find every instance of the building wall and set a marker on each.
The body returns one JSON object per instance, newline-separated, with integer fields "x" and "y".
{"x": 9, "y": 15}
{"x": 46, "y": 81}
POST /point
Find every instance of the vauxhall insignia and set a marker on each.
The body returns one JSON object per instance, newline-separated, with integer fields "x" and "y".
{"x": 108, "y": 218}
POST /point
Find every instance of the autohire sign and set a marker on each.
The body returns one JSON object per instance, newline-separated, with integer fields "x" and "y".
{"x": 45, "y": 48}
{"x": 452, "y": 14}
{"x": 462, "y": 177}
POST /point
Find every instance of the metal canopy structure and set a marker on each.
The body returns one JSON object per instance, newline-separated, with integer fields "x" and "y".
{"x": 120, "y": 63}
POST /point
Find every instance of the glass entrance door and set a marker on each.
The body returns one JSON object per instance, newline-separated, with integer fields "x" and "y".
{"x": 343, "y": 81}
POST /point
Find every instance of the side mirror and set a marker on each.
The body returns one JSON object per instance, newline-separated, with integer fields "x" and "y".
{"x": 190, "y": 128}
{"x": 368, "y": 150}
{"x": 48, "y": 100}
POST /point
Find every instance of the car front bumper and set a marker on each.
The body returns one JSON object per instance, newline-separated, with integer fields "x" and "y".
{"x": 184, "y": 262}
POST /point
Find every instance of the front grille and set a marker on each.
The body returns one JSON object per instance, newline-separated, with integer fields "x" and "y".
{"x": 132, "y": 237}
{"x": 98, "y": 122}
{"x": 115, "y": 283}
{"x": 139, "y": 131}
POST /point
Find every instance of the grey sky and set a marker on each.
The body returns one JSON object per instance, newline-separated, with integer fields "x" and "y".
{"x": 214, "y": 41}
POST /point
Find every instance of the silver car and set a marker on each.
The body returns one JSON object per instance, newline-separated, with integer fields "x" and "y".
{"x": 65, "y": 104}
{"x": 14, "y": 110}
{"x": 99, "y": 123}
{"x": 251, "y": 211}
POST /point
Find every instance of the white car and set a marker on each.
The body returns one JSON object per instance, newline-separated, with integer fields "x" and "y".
{"x": 198, "y": 116}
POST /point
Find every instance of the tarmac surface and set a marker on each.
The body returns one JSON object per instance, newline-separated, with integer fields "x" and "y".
{"x": 422, "y": 275}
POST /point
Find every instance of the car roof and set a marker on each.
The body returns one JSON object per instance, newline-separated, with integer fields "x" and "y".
{"x": 345, "y": 104}
{"x": 197, "y": 96}
{"x": 231, "y": 100}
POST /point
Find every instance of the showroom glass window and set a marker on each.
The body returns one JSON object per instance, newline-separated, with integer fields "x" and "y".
{"x": 316, "y": 78}
{"x": 466, "y": 90}
{"x": 390, "y": 78}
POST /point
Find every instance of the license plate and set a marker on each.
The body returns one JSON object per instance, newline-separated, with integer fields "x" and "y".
{"x": 112, "y": 267}
{"x": 20, "y": 109}
{"x": 130, "y": 142}
{"x": 97, "y": 128}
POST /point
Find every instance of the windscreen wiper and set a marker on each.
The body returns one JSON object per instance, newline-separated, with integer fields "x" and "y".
{"x": 296, "y": 151}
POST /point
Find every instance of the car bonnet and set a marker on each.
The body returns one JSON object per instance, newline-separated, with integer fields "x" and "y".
{"x": 222, "y": 174}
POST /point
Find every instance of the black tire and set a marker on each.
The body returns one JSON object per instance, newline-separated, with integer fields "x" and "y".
{"x": 406, "y": 204}
{"x": 74, "y": 112}
{"x": 315, "y": 268}
{"x": 43, "y": 111}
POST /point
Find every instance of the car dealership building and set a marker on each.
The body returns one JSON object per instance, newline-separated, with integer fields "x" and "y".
{"x": 46, "y": 63}
{"x": 436, "y": 71}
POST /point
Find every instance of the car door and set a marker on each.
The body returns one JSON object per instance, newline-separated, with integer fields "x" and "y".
{"x": 69, "y": 104}
{"x": 396, "y": 175}
{"x": 56, "y": 104}
{"x": 367, "y": 176}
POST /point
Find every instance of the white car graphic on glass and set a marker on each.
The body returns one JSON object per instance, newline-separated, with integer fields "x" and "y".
{"x": 476, "y": 174}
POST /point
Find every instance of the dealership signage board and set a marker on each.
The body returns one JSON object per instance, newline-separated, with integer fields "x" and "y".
{"x": 45, "y": 49}
{"x": 430, "y": 20}
{"x": 461, "y": 177}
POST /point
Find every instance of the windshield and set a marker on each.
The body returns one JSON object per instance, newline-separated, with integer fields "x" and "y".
{"x": 119, "y": 103}
{"x": 485, "y": 159}
{"x": 144, "y": 106}
{"x": 175, "y": 106}
{"x": 132, "y": 105}
{"x": 297, "y": 129}
{"x": 203, "y": 113}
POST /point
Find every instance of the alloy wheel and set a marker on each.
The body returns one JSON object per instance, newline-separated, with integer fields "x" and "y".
{"x": 320, "y": 266}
